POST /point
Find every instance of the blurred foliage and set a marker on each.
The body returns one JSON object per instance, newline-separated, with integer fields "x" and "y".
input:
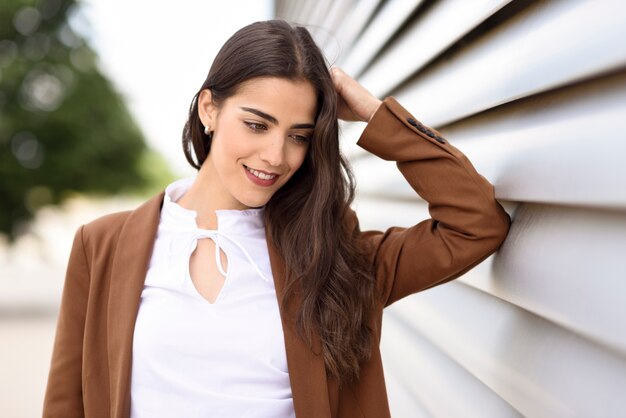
{"x": 63, "y": 127}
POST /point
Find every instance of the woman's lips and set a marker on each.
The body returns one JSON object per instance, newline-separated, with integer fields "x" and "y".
{"x": 259, "y": 181}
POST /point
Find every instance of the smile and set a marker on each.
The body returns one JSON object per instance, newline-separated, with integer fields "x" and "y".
{"x": 260, "y": 175}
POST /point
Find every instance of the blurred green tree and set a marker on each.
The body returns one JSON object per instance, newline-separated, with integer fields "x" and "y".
{"x": 63, "y": 127}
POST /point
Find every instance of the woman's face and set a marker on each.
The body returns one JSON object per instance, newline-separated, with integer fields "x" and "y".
{"x": 260, "y": 139}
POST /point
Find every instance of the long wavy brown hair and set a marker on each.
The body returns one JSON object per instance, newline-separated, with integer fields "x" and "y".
{"x": 306, "y": 217}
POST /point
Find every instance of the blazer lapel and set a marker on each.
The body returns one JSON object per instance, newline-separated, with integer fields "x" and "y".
{"x": 128, "y": 273}
{"x": 129, "y": 267}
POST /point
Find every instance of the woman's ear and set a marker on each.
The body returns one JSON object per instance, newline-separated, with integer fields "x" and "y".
{"x": 207, "y": 111}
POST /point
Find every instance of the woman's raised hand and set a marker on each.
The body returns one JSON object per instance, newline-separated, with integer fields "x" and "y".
{"x": 354, "y": 102}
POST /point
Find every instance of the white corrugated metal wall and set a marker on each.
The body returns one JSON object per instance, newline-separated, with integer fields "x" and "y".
{"x": 534, "y": 93}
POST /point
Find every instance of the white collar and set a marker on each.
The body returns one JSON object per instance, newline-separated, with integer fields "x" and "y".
{"x": 228, "y": 220}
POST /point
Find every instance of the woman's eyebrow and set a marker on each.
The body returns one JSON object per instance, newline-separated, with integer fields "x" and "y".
{"x": 273, "y": 120}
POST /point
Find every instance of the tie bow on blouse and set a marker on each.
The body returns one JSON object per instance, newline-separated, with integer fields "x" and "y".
{"x": 242, "y": 228}
{"x": 186, "y": 240}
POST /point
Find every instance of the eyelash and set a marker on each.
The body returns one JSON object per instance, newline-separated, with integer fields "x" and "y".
{"x": 253, "y": 126}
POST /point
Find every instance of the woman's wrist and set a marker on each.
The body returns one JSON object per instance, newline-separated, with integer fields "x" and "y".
{"x": 375, "y": 106}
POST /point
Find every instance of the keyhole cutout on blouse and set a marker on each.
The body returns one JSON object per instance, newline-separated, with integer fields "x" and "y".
{"x": 204, "y": 272}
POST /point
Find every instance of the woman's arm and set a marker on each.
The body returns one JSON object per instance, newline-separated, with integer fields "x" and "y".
{"x": 64, "y": 395}
{"x": 467, "y": 223}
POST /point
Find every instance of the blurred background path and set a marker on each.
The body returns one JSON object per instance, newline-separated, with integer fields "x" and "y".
{"x": 31, "y": 282}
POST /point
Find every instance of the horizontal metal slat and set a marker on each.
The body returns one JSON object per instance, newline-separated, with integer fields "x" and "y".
{"x": 437, "y": 29}
{"x": 431, "y": 376}
{"x": 402, "y": 403}
{"x": 329, "y": 23}
{"x": 349, "y": 29}
{"x": 519, "y": 59}
{"x": 565, "y": 147}
{"x": 567, "y": 265}
{"x": 393, "y": 14}
{"x": 539, "y": 368}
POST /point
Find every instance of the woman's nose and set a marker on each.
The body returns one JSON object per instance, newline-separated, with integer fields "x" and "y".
{"x": 273, "y": 152}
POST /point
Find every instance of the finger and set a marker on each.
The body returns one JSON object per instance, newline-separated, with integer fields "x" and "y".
{"x": 336, "y": 77}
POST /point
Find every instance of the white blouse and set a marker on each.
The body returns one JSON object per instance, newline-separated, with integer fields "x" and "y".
{"x": 193, "y": 358}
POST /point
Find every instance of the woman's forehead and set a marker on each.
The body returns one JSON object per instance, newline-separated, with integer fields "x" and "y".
{"x": 279, "y": 97}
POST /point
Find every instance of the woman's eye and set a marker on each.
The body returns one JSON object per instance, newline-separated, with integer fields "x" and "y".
{"x": 301, "y": 139}
{"x": 255, "y": 126}
{"x": 258, "y": 127}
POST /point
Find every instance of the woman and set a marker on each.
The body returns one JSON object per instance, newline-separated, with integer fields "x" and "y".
{"x": 249, "y": 290}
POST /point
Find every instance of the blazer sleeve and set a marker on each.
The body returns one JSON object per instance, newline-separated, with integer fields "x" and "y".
{"x": 63, "y": 396}
{"x": 467, "y": 224}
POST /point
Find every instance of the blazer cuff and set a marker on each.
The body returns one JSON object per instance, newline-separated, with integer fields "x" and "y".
{"x": 380, "y": 136}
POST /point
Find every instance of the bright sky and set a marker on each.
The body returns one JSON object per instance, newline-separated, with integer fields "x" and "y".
{"x": 158, "y": 54}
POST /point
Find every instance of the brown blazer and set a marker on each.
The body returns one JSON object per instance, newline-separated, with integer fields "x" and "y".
{"x": 91, "y": 361}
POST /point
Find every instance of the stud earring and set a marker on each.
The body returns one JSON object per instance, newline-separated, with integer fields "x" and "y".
{"x": 207, "y": 130}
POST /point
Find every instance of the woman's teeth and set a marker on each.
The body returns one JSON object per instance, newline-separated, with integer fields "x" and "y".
{"x": 261, "y": 175}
